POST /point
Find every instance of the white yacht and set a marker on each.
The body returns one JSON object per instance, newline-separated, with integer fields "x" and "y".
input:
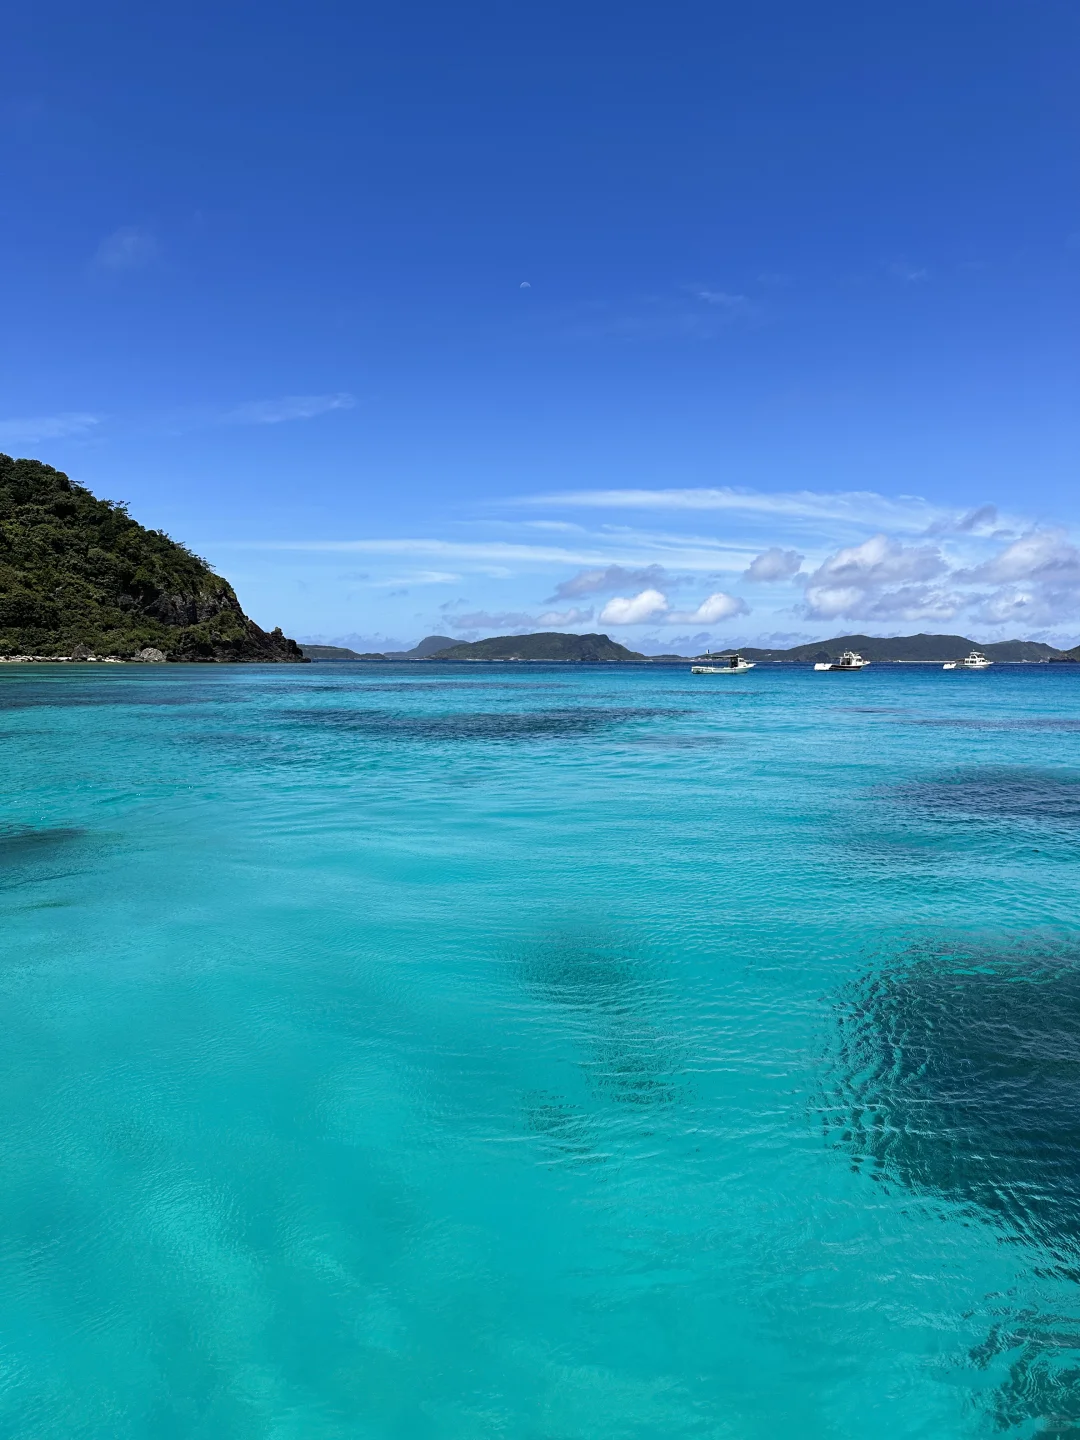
{"x": 975, "y": 661}
{"x": 721, "y": 665}
{"x": 849, "y": 660}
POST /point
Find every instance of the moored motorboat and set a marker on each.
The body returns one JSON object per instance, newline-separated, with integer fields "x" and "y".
{"x": 708, "y": 664}
{"x": 977, "y": 661}
{"x": 849, "y": 660}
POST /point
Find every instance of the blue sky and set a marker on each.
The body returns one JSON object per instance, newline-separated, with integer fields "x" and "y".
{"x": 691, "y": 323}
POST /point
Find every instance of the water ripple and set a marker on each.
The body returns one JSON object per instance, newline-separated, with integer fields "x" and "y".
{"x": 959, "y": 1076}
{"x": 997, "y": 793}
{"x": 473, "y": 725}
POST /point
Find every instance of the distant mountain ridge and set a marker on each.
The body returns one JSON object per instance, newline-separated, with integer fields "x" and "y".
{"x": 334, "y": 652}
{"x": 79, "y": 576}
{"x": 428, "y": 646}
{"x": 547, "y": 645}
{"x": 555, "y": 646}
{"x": 911, "y": 648}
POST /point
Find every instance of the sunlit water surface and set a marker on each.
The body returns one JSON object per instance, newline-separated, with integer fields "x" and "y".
{"x": 542, "y": 1052}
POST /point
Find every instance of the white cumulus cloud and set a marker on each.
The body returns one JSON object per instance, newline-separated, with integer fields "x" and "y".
{"x": 653, "y": 605}
{"x": 634, "y": 609}
{"x": 1044, "y": 555}
{"x": 774, "y": 564}
{"x": 714, "y": 608}
{"x": 855, "y": 581}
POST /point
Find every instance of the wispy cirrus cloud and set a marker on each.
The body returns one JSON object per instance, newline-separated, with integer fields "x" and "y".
{"x": 48, "y": 427}
{"x": 509, "y": 620}
{"x": 489, "y": 551}
{"x": 630, "y": 551}
{"x": 907, "y": 272}
{"x": 611, "y": 577}
{"x": 910, "y": 513}
{"x": 418, "y": 577}
{"x": 692, "y": 312}
{"x": 982, "y": 521}
{"x": 131, "y": 247}
{"x": 286, "y": 407}
{"x": 723, "y": 300}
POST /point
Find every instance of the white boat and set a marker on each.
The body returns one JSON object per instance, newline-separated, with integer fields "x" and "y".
{"x": 721, "y": 665}
{"x": 849, "y": 660}
{"x": 977, "y": 661}
{"x": 949, "y": 665}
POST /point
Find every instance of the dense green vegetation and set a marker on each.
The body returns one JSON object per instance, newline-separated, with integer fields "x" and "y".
{"x": 76, "y": 571}
{"x": 547, "y": 646}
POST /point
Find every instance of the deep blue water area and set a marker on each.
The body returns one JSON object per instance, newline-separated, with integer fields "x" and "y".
{"x": 540, "y": 1052}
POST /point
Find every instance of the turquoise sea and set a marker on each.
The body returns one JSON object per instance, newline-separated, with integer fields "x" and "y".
{"x": 541, "y": 1052}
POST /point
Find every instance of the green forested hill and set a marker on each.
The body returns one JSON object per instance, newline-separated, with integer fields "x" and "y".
{"x": 78, "y": 571}
{"x": 546, "y": 646}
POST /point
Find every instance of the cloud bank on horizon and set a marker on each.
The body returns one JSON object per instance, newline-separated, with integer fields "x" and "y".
{"x": 727, "y": 566}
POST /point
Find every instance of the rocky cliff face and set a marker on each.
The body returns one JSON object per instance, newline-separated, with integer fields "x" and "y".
{"x": 76, "y": 571}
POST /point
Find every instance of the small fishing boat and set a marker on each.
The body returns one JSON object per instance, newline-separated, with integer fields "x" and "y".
{"x": 721, "y": 665}
{"x": 849, "y": 660}
{"x": 949, "y": 665}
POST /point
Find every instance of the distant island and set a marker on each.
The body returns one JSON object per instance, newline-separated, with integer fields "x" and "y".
{"x": 80, "y": 579}
{"x": 429, "y": 646}
{"x": 910, "y": 648}
{"x": 549, "y": 645}
{"x": 593, "y": 649}
{"x": 336, "y": 652}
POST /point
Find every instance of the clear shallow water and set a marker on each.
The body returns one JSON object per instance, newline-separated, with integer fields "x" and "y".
{"x": 539, "y": 1052}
